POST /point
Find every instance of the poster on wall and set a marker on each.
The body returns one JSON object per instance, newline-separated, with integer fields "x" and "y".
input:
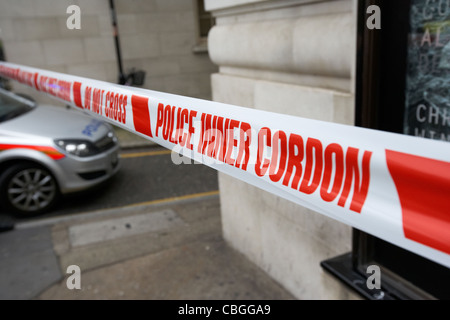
{"x": 427, "y": 110}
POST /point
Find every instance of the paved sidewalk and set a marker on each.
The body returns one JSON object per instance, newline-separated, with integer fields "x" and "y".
{"x": 130, "y": 140}
{"x": 164, "y": 251}
{"x": 28, "y": 263}
{"x": 171, "y": 250}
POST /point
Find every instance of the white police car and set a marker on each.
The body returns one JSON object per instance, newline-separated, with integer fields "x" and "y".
{"x": 46, "y": 151}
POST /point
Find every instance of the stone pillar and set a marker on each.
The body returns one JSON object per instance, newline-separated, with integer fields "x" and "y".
{"x": 295, "y": 57}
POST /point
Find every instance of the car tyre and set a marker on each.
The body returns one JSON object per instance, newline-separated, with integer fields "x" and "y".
{"x": 27, "y": 189}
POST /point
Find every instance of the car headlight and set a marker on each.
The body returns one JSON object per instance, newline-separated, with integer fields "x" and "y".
{"x": 79, "y": 148}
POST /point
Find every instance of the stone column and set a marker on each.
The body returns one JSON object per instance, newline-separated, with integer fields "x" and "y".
{"x": 295, "y": 57}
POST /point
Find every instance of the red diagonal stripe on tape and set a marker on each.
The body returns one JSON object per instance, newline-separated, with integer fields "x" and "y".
{"x": 423, "y": 186}
{"x": 77, "y": 94}
{"x": 141, "y": 115}
{"x": 36, "y": 75}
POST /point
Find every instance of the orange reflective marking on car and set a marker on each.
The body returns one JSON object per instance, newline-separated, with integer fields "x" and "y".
{"x": 49, "y": 151}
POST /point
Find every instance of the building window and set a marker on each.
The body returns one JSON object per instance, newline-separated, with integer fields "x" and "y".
{"x": 205, "y": 21}
{"x": 403, "y": 76}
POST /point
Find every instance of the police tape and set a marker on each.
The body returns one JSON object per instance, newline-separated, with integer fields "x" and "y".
{"x": 393, "y": 186}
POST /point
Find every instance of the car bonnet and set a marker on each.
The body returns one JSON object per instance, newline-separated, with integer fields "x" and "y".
{"x": 57, "y": 123}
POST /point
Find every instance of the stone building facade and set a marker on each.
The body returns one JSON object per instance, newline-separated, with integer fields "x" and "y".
{"x": 288, "y": 56}
{"x": 160, "y": 37}
{"x": 295, "y": 57}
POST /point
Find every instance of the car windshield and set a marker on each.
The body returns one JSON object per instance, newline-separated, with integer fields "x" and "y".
{"x": 12, "y": 106}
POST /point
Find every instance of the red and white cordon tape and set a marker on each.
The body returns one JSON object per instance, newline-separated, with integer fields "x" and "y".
{"x": 393, "y": 186}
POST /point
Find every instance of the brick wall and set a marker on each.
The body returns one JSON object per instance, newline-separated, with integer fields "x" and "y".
{"x": 157, "y": 36}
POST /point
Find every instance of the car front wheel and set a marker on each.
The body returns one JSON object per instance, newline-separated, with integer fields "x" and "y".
{"x": 28, "y": 189}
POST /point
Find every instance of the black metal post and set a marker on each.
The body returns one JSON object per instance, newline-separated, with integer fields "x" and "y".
{"x": 122, "y": 77}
